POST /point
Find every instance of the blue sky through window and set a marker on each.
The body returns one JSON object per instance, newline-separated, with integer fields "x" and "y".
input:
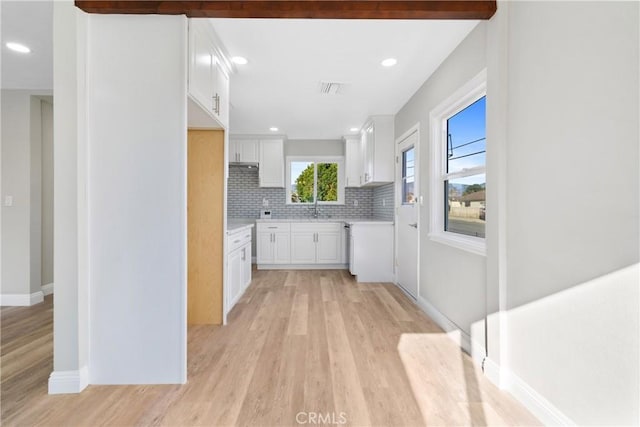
{"x": 466, "y": 142}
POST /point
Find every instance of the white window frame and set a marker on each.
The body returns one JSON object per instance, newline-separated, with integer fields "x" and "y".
{"x": 472, "y": 91}
{"x": 316, "y": 159}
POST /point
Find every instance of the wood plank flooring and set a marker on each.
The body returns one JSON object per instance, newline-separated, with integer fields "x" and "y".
{"x": 301, "y": 348}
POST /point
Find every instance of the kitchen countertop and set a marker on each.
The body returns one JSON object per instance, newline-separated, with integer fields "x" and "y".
{"x": 368, "y": 221}
{"x": 345, "y": 220}
{"x": 234, "y": 227}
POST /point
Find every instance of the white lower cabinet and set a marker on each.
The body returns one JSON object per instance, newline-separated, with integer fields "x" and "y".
{"x": 273, "y": 243}
{"x": 329, "y": 245}
{"x": 313, "y": 243}
{"x": 301, "y": 243}
{"x": 303, "y": 246}
{"x": 371, "y": 246}
{"x": 238, "y": 266}
{"x": 234, "y": 275}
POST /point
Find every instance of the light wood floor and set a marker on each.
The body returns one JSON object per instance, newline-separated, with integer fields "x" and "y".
{"x": 315, "y": 346}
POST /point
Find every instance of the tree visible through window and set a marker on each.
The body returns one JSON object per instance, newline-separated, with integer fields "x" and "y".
{"x": 314, "y": 179}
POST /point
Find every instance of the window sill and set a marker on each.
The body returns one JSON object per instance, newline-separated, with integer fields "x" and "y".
{"x": 471, "y": 244}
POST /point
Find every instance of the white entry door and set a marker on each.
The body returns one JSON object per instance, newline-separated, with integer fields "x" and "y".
{"x": 407, "y": 214}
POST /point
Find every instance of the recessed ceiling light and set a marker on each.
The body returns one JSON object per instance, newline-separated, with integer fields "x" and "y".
{"x": 389, "y": 62}
{"x": 17, "y": 47}
{"x": 273, "y": 129}
{"x": 354, "y": 129}
{"x": 240, "y": 60}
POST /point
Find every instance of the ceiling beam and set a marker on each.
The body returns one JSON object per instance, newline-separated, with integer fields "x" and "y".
{"x": 327, "y": 9}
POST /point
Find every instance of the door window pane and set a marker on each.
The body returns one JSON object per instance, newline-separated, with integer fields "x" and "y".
{"x": 408, "y": 176}
{"x": 302, "y": 182}
{"x": 465, "y": 205}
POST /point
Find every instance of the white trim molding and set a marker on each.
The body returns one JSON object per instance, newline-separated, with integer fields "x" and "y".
{"x": 21, "y": 300}
{"x": 47, "y": 289}
{"x": 469, "y": 93}
{"x": 65, "y": 382}
{"x": 540, "y": 407}
{"x": 302, "y": 266}
{"x": 503, "y": 378}
{"x": 453, "y": 331}
{"x": 494, "y": 374}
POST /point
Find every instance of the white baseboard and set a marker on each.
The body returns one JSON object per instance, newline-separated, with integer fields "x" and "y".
{"x": 22, "y": 300}
{"x": 302, "y": 266}
{"x": 460, "y": 337}
{"x": 540, "y": 407}
{"x": 63, "y": 382}
{"x": 47, "y": 289}
{"x": 492, "y": 372}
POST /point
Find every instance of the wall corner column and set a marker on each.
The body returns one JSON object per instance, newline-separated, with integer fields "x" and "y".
{"x": 71, "y": 302}
{"x": 496, "y": 365}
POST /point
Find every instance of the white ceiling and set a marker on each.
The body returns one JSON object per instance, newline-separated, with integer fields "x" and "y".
{"x": 29, "y": 23}
{"x": 288, "y": 59}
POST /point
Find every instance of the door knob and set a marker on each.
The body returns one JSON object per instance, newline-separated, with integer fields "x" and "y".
{"x": 414, "y": 225}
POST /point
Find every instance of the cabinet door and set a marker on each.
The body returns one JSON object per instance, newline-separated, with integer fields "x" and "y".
{"x": 281, "y": 248}
{"x": 344, "y": 246}
{"x": 352, "y": 251}
{"x": 234, "y": 278}
{"x": 271, "y": 163}
{"x": 246, "y": 266}
{"x": 248, "y": 150}
{"x": 221, "y": 96}
{"x": 353, "y": 160}
{"x": 368, "y": 153}
{"x": 233, "y": 151}
{"x": 329, "y": 247}
{"x": 303, "y": 247}
{"x": 201, "y": 66}
{"x": 265, "y": 248}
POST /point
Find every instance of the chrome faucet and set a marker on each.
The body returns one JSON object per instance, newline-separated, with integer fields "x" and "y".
{"x": 315, "y": 213}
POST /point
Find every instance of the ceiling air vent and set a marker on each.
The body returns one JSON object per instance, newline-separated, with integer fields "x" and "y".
{"x": 331, "y": 88}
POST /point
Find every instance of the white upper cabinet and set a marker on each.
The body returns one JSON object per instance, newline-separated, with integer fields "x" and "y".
{"x": 208, "y": 73}
{"x": 244, "y": 151}
{"x": 201, "y": 66}
{"x": 221, "y": 94}
{"x": 353, "y": 161}
{"x": 271, "y": 163}
{"x": 377, "y": 151}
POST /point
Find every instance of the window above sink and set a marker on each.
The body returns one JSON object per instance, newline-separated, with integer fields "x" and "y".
{"x": 311, "y": 179}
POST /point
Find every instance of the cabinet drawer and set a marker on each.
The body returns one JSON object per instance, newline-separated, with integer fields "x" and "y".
{"x": 237, "y": 240}
{"x": 272, "y": 227}
{"x": 316, "y": 226}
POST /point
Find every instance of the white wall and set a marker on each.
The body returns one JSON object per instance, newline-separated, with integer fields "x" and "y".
{"x": 16, "y": 116}
{"x": 314, "y": 147}
{"x": 457, "y": 293}
{"x": 572, "y": 202}
{"x": 563, "y": 207}
{"x": 47, "y": 193}
{"x": 21, "y": 170}
{"x": 137, "y": 198}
